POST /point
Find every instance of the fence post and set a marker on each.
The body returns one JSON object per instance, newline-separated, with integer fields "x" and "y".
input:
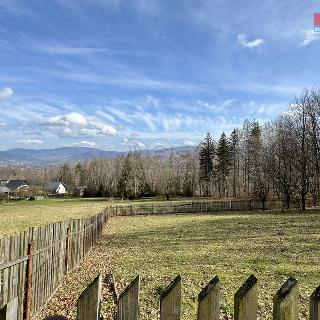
{"x": 246, "y": 300}
{"x": 28, "y": 284}
{"x": 66, "y": 260}
{"x": 170, "y": 301}
{"x": 88, "y": 305}
{"x": 285, "y": 302}
{"x": 128, "y": 302}
{"x": 10, "y": 310}
{"x": 209, "y": 301}
{"x": 315, "y": 305}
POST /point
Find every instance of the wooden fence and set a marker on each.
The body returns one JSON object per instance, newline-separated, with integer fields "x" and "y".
{"x": 285, "y": 301}
{"x": 35, "y": 262}
{"x": 194, "y": 207}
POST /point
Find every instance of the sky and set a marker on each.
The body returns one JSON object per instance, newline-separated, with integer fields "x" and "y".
{"x": 111, "y": 74}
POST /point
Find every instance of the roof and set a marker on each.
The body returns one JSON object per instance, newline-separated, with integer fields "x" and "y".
{"x": 15, "y": 184}
{"x": 4, "y": 190}
{"x": 53, "y": 185}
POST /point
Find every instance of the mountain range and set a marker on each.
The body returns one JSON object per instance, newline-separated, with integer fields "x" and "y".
{"x": 20, "y": 156}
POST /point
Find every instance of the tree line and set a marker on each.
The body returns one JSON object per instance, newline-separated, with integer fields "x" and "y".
{"x": 276, "y": 160}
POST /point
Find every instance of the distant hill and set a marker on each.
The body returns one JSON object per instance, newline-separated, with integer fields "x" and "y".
{"x": 20, "y": 156}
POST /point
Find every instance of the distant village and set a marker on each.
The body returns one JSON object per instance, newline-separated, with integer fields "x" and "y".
{"x": 20, "y": 190}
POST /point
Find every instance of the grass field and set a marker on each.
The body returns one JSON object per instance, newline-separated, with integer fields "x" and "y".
{"x": 230, "y": 245}
{"x": 18, "y": 216}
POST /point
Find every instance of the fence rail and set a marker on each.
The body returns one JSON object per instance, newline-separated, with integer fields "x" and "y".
{"x": 35, "y": 262}
{"x": 285, "y": 301}
{"x": 196, "y": 207}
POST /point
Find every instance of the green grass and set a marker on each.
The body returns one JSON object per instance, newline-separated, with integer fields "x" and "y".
{"x": 232, "y": 246}
{"x": 18, "y": 216}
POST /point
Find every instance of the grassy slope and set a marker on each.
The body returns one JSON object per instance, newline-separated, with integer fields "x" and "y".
{"x": 231, "y": 246}
{"x": 17, "y": 216}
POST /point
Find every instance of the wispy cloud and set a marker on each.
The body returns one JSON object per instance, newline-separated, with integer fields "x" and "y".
{"x": 85, "y": 143}
{"x": 68, "y": 50}
{"x": 309, "y": 37}
{"x": 31, "y": 142}
{"x": 6, "y": 92}
{"x": 243, "y": 41}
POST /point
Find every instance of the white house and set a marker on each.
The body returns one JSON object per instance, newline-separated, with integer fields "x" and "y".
{"x": 55, "y": 188}
{"x": 4, "y": 192}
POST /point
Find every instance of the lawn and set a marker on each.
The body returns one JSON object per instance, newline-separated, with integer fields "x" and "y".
{"x": 18, "y": 216}
{"x": 230, "y": 245}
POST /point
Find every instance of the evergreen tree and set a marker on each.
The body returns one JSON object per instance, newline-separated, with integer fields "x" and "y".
{"x": 234, "y": 146}
{"x": 224, "y": 161}
{"x": 206, "y": 157}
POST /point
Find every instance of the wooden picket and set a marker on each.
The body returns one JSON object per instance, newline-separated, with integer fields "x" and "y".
{"x": 285, "y": 302}
{"x": 209, "y": 301}
{"x": 315, "y": 305}
{"x": 170, "y": 301}
{"x": 89, "y": 302}
{"x": 246, "y": 300}
{"x": 128, "y": 301}
{"x": 34, "y": 263}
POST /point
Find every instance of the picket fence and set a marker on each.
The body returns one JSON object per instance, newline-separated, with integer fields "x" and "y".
{"x": 35, "y": 262}
{"x": 194, "y": 207}
{"x": 285, "y": 301}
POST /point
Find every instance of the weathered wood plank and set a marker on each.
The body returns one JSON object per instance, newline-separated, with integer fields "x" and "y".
{"x": 128, "y": 302}
{"x": 285, "y": 301}
{"x": 246, "y": 300}
{"x": 28, "y": 283}
{"x": 89, "y": 302}
{"x": 209, "y": 301}
{"x": 315, "y": 305}
{"x": 10, "y": 311}
{"x": 170, "y": 301}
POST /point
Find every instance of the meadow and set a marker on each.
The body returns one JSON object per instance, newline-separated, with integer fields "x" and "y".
{"x": 19, "y": 215}
{"x": 230, "y": 245}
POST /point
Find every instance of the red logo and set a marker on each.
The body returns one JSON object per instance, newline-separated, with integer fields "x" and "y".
{"x": 316, "y": 17}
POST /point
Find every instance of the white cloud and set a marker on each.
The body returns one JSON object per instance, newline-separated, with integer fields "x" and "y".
{"x": 6, "y": 92}
{"x": 243, "y": 41}
{"x": 75, "y": 125}
{"x": 189, "y": 143}
{"x": 31, "y": 142}
{"x": 73, "y": 118}
{"x": 68, "y": 50}
{"x": 86, "y": 143}
{"x": 309, "y": 37}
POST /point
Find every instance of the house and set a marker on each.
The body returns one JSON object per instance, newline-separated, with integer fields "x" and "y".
{"x": 4, "y": 192}
{"x": 55, "y": 188}
{"x": 3, "y": 182}
{"x": 16, "y": 185}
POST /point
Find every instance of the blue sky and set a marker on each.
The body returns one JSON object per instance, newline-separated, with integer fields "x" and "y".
{"x": 110, "y": 73}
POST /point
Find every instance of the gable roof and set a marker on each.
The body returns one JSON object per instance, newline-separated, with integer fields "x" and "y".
{"x": 4, "y": 190}
{"x": 15, "y": 184}
{"x": 53, "y": 185}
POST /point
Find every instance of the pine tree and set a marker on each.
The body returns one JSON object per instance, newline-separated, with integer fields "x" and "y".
{"x": 206, "y": 157}
{"x": 224, "y": 161}
{"x": 234, "y": 146}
